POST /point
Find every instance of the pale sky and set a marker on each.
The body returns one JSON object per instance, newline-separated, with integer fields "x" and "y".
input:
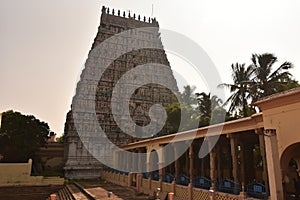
{"x": 44, "y": 43}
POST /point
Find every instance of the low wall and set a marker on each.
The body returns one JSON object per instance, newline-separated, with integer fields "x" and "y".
{"x": 12, "y": 174}
{"x": 15, "y": 172}
{"x": 148, "y": 186}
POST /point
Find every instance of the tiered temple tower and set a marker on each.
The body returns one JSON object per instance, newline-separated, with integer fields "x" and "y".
{"x": 79, "y": 163}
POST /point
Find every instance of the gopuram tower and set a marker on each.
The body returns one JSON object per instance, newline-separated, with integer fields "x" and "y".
{"x": 123, "y": 42}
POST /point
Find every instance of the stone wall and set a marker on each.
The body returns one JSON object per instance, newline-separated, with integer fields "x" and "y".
{"x": 18, "y": 174}
{"x": 52, "y": 156}
{"x": 15, "y": 172}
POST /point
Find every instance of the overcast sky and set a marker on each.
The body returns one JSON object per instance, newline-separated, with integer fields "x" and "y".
{"x": 44, "y": 43}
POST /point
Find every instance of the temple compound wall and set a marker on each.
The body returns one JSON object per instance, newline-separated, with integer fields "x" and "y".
{"x": 19, "y": 174}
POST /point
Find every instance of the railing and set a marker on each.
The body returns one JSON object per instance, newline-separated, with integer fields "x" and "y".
{"x": 202, "y": 182}
{"x": 112, "y": 170}
{"x": 181, "y": 192}
{"x": 225, "y": 188}
{"x": 167, "y": 187}
{"x": 229, "y": 186}
{"x": 183, "y": 180}
{"x": 145, "y": 186}
{"x": 146, "y": 175}
{"x": 200, "y": 194}
{"x": 168, "y": 178}
{"x": 257, "y": 190}
{"x": 155, "y": 176}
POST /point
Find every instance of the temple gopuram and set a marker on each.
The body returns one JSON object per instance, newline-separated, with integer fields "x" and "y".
{"x": 79, "y": 163}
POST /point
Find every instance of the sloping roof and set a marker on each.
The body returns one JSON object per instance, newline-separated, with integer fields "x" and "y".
{"x": 279, "y": 99}
{"x": 247, "y": 123}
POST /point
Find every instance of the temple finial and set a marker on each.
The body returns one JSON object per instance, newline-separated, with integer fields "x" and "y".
{"x": 139, "y": 18}
{"x": 103, "y": 9}
{"x": 144, "y": 18}
{"x": 113, "y": 11}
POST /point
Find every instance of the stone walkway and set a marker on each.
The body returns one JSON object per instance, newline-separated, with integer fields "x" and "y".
{"x": 96, "y": 188}
{"x": 99, "y": 189}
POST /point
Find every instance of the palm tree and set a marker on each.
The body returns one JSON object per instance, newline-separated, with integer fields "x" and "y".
{"x": 188, "y": 95}
{"x": 267, "y": 81}
{"x": 209, "y": 107}
{"x": 241, "y": 76}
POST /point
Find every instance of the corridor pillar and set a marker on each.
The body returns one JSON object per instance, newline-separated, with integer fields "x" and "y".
{"x": 212, "y": 156}
{"x": 191, "y": 157}
{"x": 219, "y": 171}
{"x": 263, "y": 155}
{"x": 274, "y": 171}
{"x": 140, "y": 167}
{"x": 176, "y": 162}
{"x": 243, "y": 149}
{"x": 161, "y": 163}
{"x": 233, "y": 147}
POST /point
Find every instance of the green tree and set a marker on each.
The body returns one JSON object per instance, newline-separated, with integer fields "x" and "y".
{"x": 174, "y": 117}
{"x": 184, "y": 113}
{"x": 21, "y": 136}
{"x": 181, "y": 114}
{"x": 258, "y": 80}
{"x": 240, "y": 88}
{"x": 266, "y": 80}
{"x": 60, "y": 139}
{"x": 188, "y": 96}
{"x": 210, "y": 108}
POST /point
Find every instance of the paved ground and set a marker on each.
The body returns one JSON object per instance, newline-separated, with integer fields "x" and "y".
{"x": 28, "y": 192}
{"x": 97, "y": 188}
{"x": 100, "y": 189}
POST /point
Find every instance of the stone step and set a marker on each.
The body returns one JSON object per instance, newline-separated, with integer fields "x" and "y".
{"x": 63, "y": 194}
{"x": 68, "y": 194}
{"x": 52, "y": 177}
{"x": 76, "y": 193}
{"x": 51, "y": 183}
{"x": 60, "y": 195}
